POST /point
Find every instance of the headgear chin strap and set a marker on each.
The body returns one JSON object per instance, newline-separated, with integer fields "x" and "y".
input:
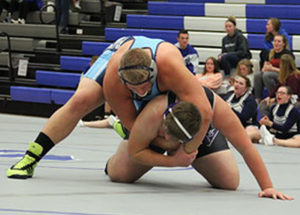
{"x": 152, "y": 69}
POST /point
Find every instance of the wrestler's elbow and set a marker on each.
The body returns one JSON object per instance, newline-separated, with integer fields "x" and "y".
{"x": 206, "y": 115}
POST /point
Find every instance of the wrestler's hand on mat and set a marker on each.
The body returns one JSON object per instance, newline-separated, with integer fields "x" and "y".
{"x": 275, "y": 194}
{"x": 181, "y": 158}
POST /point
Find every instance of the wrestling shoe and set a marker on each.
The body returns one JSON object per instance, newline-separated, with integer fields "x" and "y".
{"x": 25, "y": 167}
{"x": 118, "y": 127}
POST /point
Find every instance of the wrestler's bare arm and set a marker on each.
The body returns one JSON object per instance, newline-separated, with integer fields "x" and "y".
{"x": 229, "y": 125}
{"x": 174, "y": 76}
{"x": 145, "y": 130}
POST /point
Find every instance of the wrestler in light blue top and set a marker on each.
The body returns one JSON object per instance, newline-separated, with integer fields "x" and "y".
{"x": 97, "y": 71}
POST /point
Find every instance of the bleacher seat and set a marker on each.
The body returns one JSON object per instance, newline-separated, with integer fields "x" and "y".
{"x": 94, "y": 48}
{"x": 75, "y": 63}
{"x": 60, "y": 97}
{"x": 30, "y": 94}
{"x": 3, "y": 58}
{"x": 29, "y": 30}
{"x": 57, "y": 79}
{"x": 40, "y": 95}
{"x": 221, "y": 10}
{"x": 205, "y": 23}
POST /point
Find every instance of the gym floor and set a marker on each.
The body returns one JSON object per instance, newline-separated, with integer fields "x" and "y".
{"x": 70, "y": 180}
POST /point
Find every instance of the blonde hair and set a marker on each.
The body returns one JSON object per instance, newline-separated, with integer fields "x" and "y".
{"x": 231, "y": 19}
{"x": 135, "y": 57}
{"x": 287, "y": 68}
{"x": 245, "y": 62}
{"x": 188, "y": 115}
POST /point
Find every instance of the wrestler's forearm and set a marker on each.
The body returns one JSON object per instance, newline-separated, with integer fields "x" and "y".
{"x": 257, "y": 167}
{"x": 148, "y": 157}
{"x": 197, "y": 141}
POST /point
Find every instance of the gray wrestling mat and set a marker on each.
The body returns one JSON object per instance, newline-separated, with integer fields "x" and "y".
{"x": 71, "y": 181}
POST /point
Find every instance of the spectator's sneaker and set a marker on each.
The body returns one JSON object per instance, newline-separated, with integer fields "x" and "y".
{"x": 111, "y": 120}
{"x": 25, "y": 167}
{"x": 81, "y": 124}
{"x": 21, "y": 21}
{"x": 14, "y": 21}
{"x": 266, "y": 136}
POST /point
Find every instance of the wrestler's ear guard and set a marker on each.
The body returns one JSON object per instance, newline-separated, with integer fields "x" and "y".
{"x": 152, "y": 69}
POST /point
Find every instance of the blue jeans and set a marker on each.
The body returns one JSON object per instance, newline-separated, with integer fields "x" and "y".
{"x": 62, "y": 7}
{"x": 229, "y": 61}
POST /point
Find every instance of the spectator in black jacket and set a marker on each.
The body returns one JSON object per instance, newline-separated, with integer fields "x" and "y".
{"x": 234, "y": 47}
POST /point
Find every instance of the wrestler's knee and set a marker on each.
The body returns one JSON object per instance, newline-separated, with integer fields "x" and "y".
{"x": 230, "y": 183}
{"x": 82, "y": 102}
{"x": 117, "y": 175}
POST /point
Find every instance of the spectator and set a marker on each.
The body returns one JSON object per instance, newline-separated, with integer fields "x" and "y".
{"x": 10, "y": 6}
{"x": 234, "y": 47}
{"x": 24, "y": 7}
{"x": 242, "y": 102}
{"x": 289, "y": 75}
{"x": 245, "y": 68}
{"x": 190, "y": 55}
{"x": 211, "y": 76}
{"x": 282, "y": 121}
{"x": 269, "y": 74}
{"x": 273, "y": 28}
{"x": 62, "y": 7}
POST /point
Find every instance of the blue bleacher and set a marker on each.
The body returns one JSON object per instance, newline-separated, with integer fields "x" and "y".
{"x": 150, "y": 21}
{"x": 94, "y": 48}
{"x": 60, "y": 97}
{"x": 74, "y": 63}
{"x": 280, "y": 11}
{"x": 199, "y": 9}
{"x": 40, "y": 95}
{"x": 30, "y": 94}
{"x": 177, "y": 22}
{"x": 58, "y": 79}
{"x": 111, "y": 34}
{"x": 180, "y": 8}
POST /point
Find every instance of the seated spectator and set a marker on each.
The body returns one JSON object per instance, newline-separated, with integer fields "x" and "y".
{"x": 245, "y": 68}
{"x": 268, "y": 76}
{"x": 211, "y": 77}
{"x": 289, "y": 75}
{"x": 273, "y": 28}
{"x": 10, "y": 6}
{"x": 234, "y": 47}
{"x": 190, "y": 55}
{"x": 242, "y": 102}
{"x": 24, "y": 7}
{"x": 281, "y": 123}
